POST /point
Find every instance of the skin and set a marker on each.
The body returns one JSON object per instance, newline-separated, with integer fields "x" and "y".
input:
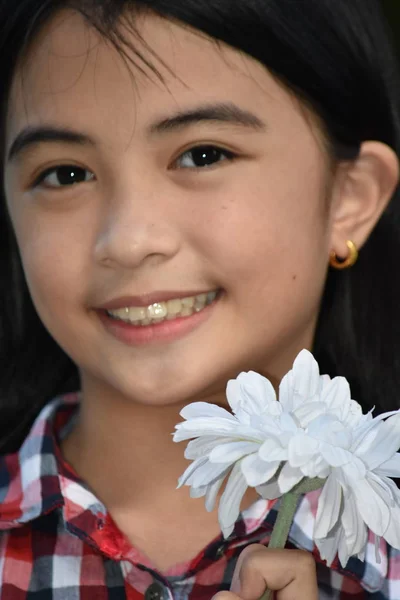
{"x": 290, "y": 573}
{"x": 260, "y": 227}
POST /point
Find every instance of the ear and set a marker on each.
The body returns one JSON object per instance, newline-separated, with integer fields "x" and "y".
{"x": 361, "y": 192}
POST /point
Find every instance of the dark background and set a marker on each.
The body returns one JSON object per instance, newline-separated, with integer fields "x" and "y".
{"x": 392, "y": 9}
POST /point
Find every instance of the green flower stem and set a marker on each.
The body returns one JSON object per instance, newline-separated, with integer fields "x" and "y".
{"x": 287, "y": 510}
{"x": 283, "y": 523}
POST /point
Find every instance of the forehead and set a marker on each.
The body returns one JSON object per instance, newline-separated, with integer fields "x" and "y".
{"x": 74, "y": 76}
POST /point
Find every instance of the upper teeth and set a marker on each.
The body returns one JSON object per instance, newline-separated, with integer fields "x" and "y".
{"x": 160, "y": 311}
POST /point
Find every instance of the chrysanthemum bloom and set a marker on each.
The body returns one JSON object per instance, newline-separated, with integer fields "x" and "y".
{"x": 315, "y": 430}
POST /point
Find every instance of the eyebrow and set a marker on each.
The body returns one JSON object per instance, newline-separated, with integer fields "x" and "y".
{"x": 30, "y": 136}
{"x": 218, "y": 113}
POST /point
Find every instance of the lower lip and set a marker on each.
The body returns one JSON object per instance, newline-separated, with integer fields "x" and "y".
{"x": 167, "y": 331}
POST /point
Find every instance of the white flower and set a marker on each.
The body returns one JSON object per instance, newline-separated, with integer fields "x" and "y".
{"x": 314, "y": 430}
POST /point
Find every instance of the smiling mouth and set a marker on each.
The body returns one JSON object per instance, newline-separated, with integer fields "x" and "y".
{"x": 158, "y": 312}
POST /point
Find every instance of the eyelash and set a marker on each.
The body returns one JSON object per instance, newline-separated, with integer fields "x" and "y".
{"x": 230, "y": 156}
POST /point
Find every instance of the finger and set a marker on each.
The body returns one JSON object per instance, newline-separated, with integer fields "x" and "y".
{"x": 226, "y": 596}
{"x": 291, "y": 573}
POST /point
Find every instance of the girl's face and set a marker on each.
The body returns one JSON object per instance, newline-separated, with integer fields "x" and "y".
{"x": 120, "y": 186}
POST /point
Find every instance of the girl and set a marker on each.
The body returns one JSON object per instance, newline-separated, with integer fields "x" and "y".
{"x": 187, "y": 185}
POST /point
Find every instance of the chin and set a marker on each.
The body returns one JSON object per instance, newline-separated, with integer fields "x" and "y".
{"x": 179, "y": 392}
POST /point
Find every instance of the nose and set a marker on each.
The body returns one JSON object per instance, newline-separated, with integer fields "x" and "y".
{"x": 136, "y": 229}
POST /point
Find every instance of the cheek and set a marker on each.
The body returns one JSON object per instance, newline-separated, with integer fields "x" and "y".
{"x": 270, "y": 244}
{"x": 278, "y": 230}
{"x": 53, "y": 267}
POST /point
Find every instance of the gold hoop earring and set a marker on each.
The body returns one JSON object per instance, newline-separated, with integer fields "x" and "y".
{"x": 348, "y": 262}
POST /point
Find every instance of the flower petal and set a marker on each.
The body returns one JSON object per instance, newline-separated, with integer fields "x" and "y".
{"x": 250, "y": 392}
{"x": 229, "y": 506}
{"x": 324, "y": 381}
{"x": 272, "y": 450}
{"x": 394, "y": 491}
{"x": 392, "y": 535}
{"x": 329, "y": 504}
{"x": 212, "y": 493}
{"x": 197, "y": 464}
{"x": 337, "y": 397}
{"x": 233, "y": 451}
{"x": 307, "y": 412}
{"x": 203, "y": 445}
{"x": 355, "y": 415}
{"x": 270, "y": 490}
{"x": 317, "y": 467}
{"x": 329, "y": 545}
{"x": 305, "y": 376}
{"x": 352, "y": 472}
{"x": 301, "y": 449}
{"x": 354, "y": 531}
{"x": 257, "y": 471}
{"x": 286, "y": 398}
{"x": 384, "y": 488}
{"x": 385, "y": 443}
{"x": 205, "y": 426}
{"x": 372, "y": 508}
{"x": 198, "y": 492}
{"x": 334, "y": 455}
{"x": 328, "y": 428}
{"x": 288, "y": 478}
{"x": 349, "y": 535}
{"x": 201, "y": 472}
{"x": 267, "y": 425}
{"x": 208, "y": 473}
{"x": 288, "y": 423}
{"x": 361, "y": 436}
{"x": 391, "y": 467}
{"x": 206, "y": 410}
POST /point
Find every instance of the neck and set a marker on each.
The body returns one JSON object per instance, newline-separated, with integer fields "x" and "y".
{"x": 117, "y": 444}
{"x": 125, "y": 453}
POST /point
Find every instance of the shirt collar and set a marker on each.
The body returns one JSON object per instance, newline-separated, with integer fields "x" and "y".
{"x": 37, "y": 480}
{"x": 32, "y": 480}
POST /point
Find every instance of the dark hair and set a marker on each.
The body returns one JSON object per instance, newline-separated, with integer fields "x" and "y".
{"x": 334, "y": 54}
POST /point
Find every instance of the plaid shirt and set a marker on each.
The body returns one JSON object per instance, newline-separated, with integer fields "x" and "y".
{"x": 58, "y": 542}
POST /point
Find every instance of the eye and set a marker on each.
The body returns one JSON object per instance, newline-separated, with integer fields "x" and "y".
{"x": 63, "y": 176}
{"x": 203, "y": 157}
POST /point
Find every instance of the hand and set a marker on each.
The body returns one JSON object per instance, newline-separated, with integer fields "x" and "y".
{"x": 289, "y": 573}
